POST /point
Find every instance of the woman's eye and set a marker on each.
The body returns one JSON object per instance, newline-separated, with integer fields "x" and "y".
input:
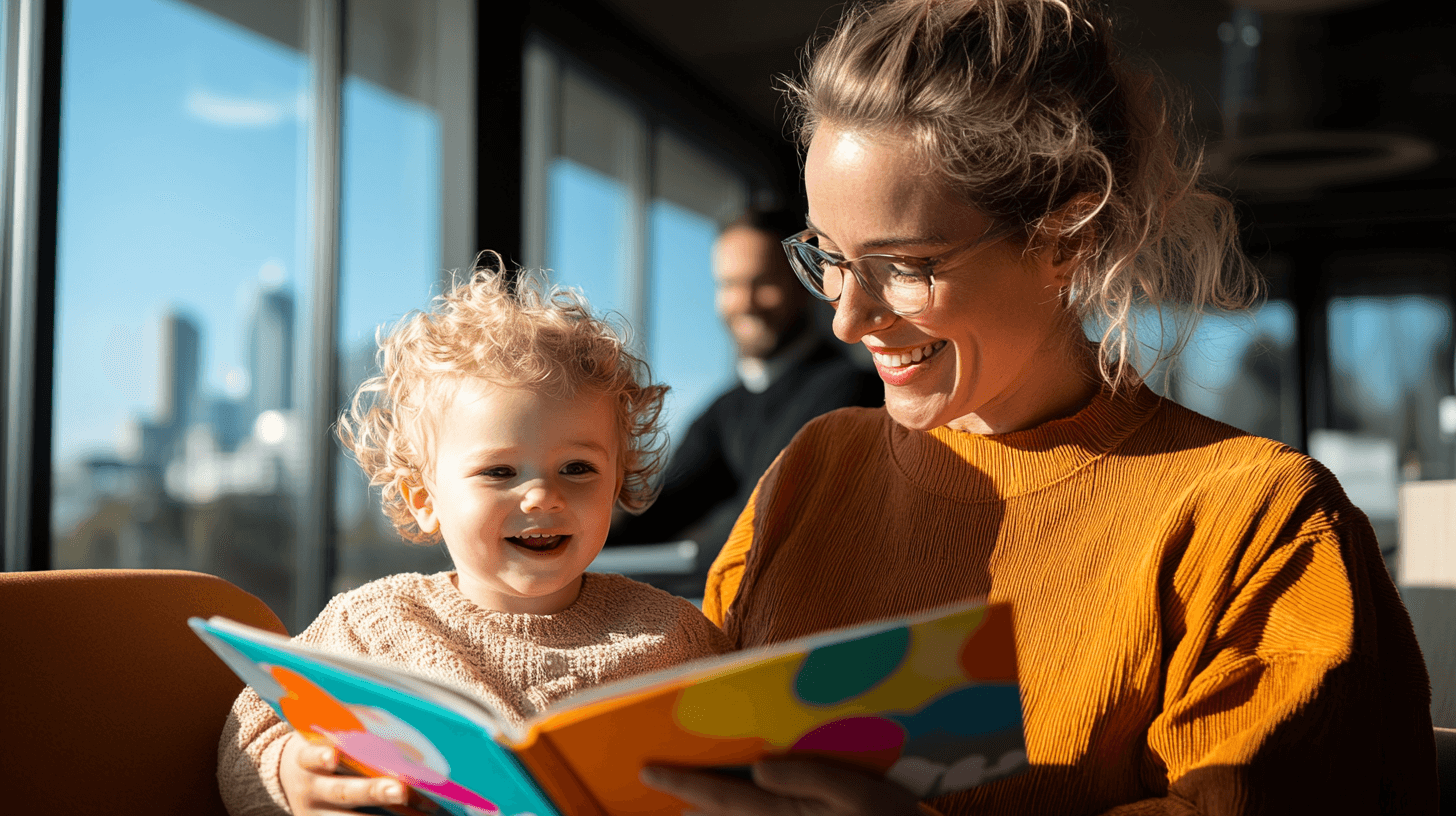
{"x": 904, "y": 272}
{"x": 579, "y": 469}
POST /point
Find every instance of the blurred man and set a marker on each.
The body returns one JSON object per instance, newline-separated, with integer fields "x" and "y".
{"x": 788, "y": 374}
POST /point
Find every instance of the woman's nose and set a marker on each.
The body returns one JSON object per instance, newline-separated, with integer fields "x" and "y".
{"x": 856, "y": 313}
{"x": 542, "y": 497}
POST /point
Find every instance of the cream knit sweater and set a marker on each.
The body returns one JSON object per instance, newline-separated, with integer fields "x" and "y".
{"x": 519, "y": 663}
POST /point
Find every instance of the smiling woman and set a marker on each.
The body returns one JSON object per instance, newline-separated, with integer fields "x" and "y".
{"x": 1203, "y": 620}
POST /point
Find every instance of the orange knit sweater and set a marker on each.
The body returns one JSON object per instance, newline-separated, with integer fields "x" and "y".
{"x": 1204, "y": 623}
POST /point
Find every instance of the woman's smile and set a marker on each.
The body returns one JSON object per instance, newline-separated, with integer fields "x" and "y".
{"x": 897, "y": 366}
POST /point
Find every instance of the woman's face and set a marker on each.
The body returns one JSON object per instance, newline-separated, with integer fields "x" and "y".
{"x": 997, "y": 346}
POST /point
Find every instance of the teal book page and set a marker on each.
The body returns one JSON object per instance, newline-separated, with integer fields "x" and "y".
{"x": 428, "y": 744}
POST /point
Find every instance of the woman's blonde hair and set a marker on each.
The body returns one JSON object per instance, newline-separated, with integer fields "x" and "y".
{"x": 1028, "y": 113}
{"x": 508, "y": 330}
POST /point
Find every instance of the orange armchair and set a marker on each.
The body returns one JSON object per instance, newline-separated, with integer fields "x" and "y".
{"x": 111, "y": 703}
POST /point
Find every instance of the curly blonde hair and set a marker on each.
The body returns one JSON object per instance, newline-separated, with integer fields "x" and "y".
{"x": 515, "y": 331}
{"x": 1027, "y": 112}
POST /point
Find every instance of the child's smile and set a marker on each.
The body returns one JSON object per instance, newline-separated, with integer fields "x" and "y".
{"x": 522, "y": 491}
{"x": 539, "y": 543}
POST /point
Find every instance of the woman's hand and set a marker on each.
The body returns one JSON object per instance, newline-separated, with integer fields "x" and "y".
{"x": 311, "y": 781}
{"x": 786, "y": 787}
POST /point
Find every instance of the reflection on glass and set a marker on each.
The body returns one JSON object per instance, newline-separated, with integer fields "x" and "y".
{"x": 1390, "y": 357}
{"x": 181, "y": 280}
{"x": 390, "y": 247}
{"x": 1242, "y": 368}
{"x": 588, "y": 237}
{"x": 694, "y": 196}
{"x": 690, "y": 349}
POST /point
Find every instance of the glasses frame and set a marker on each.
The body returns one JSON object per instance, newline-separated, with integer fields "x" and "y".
{"x": 923, "y": 267}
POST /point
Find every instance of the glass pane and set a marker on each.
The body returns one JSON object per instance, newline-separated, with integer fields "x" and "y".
{"x": 1389, "y": 328}
{"x": 1243, "y": 369}
{"x": 689, "y": 348}
{"x": 592, "y": 239}
{"x": 182, "y": 282}
{"x": 390, "y": 242}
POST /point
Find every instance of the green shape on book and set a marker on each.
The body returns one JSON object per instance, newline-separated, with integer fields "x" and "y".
{"x": 835, "y": 673}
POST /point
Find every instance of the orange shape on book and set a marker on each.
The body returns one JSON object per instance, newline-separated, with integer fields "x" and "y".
{"x": 989, "y": 652}
{"x": 309, "y": 707}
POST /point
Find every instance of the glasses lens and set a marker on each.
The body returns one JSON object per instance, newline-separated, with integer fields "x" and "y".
{"x": 814, "y": 269}
{"x": 904, "y": 288}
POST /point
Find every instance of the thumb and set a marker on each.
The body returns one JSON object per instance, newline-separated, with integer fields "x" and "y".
{"x": 840, "y": 788}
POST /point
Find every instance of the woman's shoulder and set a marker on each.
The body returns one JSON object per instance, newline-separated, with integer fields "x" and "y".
{"x": 1227, "y": 460}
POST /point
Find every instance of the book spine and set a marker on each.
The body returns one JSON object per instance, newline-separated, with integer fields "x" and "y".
{"x": 555, "y": 776}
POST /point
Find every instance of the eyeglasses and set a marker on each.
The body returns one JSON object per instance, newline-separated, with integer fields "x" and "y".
{"x": 901, "y": 283}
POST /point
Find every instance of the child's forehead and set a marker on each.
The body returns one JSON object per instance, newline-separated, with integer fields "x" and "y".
{"x": 469, "y": 400}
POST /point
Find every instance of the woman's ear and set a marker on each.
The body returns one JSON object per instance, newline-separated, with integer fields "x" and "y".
{"x": 1068, "y": 235}
{"x": 417, "y": 499}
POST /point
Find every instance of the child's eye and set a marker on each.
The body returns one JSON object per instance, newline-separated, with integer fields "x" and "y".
{"x": 498, "y": 472}
{"x": 579, "y": 468}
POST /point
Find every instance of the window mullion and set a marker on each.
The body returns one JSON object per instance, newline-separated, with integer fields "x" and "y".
{"x": 25, "y": 88}
{"x": 315, "y": 510}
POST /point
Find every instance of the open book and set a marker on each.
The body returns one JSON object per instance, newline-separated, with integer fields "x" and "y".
{"x": 930, "y": 700}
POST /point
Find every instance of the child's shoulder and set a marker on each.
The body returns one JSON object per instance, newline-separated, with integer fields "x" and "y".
{"x": 392, "y": 588}
{"x": 624, "y": 610}
{"x": 611, "y": 594}
{"x": 628, "y": 606}
{"x": 391, "y": 599}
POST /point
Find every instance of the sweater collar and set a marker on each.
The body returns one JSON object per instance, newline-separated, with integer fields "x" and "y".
{"x": 1016, "y": 463}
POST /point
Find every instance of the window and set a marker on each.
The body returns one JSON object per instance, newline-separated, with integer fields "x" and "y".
{"x": 198, "y": 263}
{"x": 623, "y": 206}
{"x": 182, "y": 293}
{"x": 1388, "y": 321}
{"x": 404, "y": 227}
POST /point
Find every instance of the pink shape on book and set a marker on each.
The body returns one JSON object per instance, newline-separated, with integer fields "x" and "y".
{"x": 390, "y": 757}
{"x": 854, "y": 734}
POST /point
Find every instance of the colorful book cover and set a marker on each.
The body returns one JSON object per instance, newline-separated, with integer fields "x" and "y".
{"x": 931, "y": 701}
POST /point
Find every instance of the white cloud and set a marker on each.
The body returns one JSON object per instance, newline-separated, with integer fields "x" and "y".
{"x": 236, "y": 112}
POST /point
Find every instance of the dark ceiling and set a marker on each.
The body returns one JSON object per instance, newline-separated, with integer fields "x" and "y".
{"x": 1317, "y": 96}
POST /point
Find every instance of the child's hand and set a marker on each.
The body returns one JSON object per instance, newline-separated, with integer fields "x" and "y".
{"x": 312, "y": 782}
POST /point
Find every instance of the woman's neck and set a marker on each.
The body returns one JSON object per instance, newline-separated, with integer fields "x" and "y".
{"x": 1069, "y": 380}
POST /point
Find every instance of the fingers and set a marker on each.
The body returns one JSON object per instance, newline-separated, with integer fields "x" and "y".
{"x": 838, "y": 789}
{"x": 328, "y": 791}
{"x": 709, "y": 793}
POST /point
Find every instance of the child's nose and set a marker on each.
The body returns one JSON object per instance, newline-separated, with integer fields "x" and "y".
{"x": 542, "y": 497}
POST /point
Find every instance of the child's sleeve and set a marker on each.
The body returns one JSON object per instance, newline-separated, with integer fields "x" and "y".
{"x": 250, "y": 752}
{"x": 249, "y": 757}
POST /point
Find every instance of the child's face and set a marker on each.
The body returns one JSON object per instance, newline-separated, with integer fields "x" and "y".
{"x": 522, "y": 492}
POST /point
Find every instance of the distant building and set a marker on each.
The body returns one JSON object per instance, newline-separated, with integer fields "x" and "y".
{"x": 179, "y": 401}
{"x": 270, "y": 353}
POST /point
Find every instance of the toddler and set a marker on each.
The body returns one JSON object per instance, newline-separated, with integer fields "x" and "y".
{"x": 508, "y": 421}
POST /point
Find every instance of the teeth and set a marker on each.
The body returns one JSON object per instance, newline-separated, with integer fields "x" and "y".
{"x": 912, "y": 356}
{"x": 536, "y": 535}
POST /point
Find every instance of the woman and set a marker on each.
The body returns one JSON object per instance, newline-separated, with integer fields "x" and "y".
{"x": 1204, "y": 623}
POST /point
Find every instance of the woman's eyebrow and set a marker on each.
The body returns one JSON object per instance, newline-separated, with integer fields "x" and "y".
{"x": 891, "y": 241}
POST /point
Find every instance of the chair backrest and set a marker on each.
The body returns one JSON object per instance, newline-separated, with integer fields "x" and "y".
{"x": 111, "y": 703}
{"x": 1446, "y": 761}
